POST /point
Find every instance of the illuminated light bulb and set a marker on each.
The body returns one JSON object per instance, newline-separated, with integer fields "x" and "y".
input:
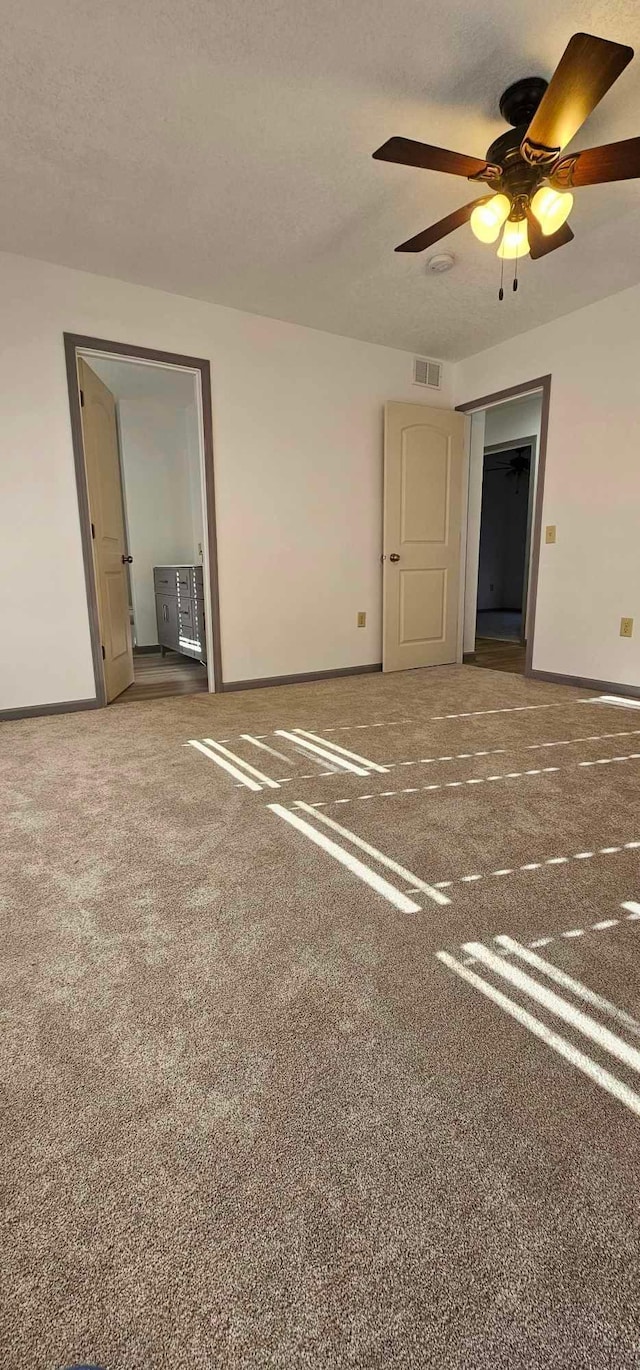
{"x": 515, "y": 239}
{"x": 551, "y": 208}
{"x": 487, "y": 219}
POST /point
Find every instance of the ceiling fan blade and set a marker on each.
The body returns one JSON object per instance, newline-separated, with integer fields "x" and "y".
{"x": 407, "y": 152}
{"x": 586, "y": 71}
{"x": 432, "y": 235}
{"x": 594, "y": 166}
{"x": 539, "y": 243}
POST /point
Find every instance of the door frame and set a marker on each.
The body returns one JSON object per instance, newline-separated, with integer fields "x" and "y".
{"x": 78, "y": 342}
{"x": 541, "y": 384}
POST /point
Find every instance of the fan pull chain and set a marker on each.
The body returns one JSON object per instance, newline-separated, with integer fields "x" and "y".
{"x": 501, "y": 290}
{"x": 515, "y": 276}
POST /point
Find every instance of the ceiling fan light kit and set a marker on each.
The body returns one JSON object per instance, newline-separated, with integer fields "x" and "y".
{"x": 529, "y": 180}
{"x": 551, "y": 208}
{"x": 487, "y": 218}
{"x": 515, "y": 241}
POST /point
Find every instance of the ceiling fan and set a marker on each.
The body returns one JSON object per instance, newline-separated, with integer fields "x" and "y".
{"x": 529, "y": 179}
{"x": 514, "y": 467}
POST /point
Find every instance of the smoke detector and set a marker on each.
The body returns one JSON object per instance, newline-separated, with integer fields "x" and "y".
{"x": 442, "y": 261}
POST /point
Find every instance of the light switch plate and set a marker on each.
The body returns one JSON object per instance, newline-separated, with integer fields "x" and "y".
{"x": 362, "y": 620}
{"x": 626, "y": 627}
{"x": 550, "y": 532}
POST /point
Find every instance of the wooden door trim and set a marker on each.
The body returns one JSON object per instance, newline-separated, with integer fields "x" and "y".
{"x": 513, "y": 445}
{"x": 543, "y": 385}
{"x": 78, "y": 342}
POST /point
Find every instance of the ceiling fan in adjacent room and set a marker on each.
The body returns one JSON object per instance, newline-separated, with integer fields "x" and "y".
{"x": 529, "y": 179}
{"x": 514, "y": 467}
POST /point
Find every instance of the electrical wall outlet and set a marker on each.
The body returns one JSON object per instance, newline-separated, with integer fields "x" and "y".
{"x": 362, "y": 620}
{"x": 626, "y": 627}
{"x": 550, "y": 532}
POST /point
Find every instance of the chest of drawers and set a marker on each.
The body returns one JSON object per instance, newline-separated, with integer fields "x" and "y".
{"x": 180, "y": 609}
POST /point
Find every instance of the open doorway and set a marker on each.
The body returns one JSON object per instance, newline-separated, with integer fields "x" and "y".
{"x": 505, "y": 523}
{"x": 503, "y": 489}
{"x": 145, "y": 487}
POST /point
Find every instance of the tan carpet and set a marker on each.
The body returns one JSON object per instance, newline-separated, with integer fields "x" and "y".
{"x": 251, "y": 1119}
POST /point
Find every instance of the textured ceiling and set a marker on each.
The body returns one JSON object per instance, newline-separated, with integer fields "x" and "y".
{"x": 221, "y": 149}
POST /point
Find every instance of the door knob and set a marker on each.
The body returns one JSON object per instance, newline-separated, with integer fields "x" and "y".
{"x": 394, "y": 557}
{"x": 124, "y": 559}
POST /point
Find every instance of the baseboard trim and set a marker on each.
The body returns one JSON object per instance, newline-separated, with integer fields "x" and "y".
{"x": 140, "y": 651}
{"x": 300, "y": 679}
{"x": 468, "y": 657}
{"x": 66, "y": 706}
{"x": 607, "y": 686}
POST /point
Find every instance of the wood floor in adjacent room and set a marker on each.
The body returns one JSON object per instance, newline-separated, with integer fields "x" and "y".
{"x": 321, "y": 1037}
{"x": 158, "y": 677}
{"x": 495, "y": 655}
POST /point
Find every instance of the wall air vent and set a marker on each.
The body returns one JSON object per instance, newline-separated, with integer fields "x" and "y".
{"x": 426, "y": 372}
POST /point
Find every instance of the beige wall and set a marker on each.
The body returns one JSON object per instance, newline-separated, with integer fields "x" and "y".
{"x": 297, "y": 428}
{"x": 160, "y": 517}
{"x": 591, "y": 577}
{"x": 517, "y": 419}
{"x": 297, "y": 420}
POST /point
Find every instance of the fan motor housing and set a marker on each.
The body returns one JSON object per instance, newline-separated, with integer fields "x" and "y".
{"x": 520, "y": 101}
{"x": 519, "y": 179}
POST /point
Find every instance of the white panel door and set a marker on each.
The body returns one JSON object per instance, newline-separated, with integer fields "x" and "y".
{"x": 104, "y": 484}
{"x": 423, "y": 491}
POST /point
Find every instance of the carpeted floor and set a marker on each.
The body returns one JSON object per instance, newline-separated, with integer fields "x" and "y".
{"x": 273, "y": 1103}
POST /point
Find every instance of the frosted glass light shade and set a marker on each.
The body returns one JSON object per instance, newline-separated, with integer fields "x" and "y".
{"x": 487, "y": 219}
{"x": 551, "y": 208}
{"x": 515, "y": 240}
